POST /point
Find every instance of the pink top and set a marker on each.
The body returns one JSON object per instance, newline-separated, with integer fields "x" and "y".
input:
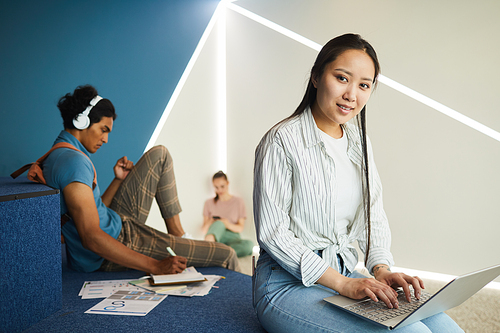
{"x": 232, "y": 209}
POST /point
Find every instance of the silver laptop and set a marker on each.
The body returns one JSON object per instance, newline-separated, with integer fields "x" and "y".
{"x": 453, "y": 294}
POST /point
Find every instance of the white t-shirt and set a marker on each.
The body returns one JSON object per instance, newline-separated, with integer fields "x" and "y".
{"x": 348, "y": 195}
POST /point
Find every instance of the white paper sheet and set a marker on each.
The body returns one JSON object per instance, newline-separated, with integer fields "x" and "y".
{"x": 102, "y": 289}
{"x": 127, "y": 303}
{"x": 195, "y": 289}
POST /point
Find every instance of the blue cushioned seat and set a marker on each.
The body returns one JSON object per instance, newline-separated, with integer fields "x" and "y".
{"x": 226, "y": 309}
{"x": 30, "y": 253}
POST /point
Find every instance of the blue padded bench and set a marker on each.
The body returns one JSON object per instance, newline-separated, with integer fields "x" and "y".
{"x": 226, "y": 309}
{"x": 30, "y": 253}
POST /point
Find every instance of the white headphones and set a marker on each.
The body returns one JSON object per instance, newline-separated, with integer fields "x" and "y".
{"x": 82, "y": 120}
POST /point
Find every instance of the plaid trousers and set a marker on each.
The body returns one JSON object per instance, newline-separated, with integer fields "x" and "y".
{"x": 153, "y": 177}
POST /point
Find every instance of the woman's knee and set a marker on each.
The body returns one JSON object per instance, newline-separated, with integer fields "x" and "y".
{"x": 441, "y": 322}
{"x": 217, "y": 229}
{"x": 243, "y": 248}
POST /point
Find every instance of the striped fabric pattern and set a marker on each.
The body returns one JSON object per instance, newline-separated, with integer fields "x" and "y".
{"x": 294, "y": 202}
{"x": 153, "y": 243}
{"x": 152, "y": 177}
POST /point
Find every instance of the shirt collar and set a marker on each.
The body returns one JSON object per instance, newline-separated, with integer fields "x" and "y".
{"x": 312, "y": 136}
{"x": 354, "y": 150}
{"x": 70, "y": 138}
{"x": 309, "y": 129}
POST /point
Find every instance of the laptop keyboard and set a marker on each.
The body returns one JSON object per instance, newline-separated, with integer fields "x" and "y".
{"x": 379, "y": 312}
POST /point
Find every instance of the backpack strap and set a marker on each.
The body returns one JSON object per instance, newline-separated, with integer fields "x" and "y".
{"x": 35, "y": 172}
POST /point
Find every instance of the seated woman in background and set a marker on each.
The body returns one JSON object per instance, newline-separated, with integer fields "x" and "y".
{"x": 224, "y": 217}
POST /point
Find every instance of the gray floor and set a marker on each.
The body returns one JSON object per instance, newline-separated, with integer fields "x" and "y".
{"x": 479, "y": 314}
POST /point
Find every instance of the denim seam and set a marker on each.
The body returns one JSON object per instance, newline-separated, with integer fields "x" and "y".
{"x": 269, "y": 302}
{"x": 299, "y": 318}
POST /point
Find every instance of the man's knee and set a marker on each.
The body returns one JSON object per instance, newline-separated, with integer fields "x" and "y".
{"x": 159, "y": 152}
{"x": 161, "y": 156}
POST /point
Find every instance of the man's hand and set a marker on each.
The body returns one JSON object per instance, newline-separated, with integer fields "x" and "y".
{"x": 122, "y": 168}
{"x": 171, "y": 265}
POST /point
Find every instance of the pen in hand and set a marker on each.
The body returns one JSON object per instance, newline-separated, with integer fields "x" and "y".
{"x": 181, "y": 262}
{"x": 172, "y": 253}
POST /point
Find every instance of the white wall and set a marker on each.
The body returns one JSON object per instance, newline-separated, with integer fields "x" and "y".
{"x": 190, "y": 134}
{"x": 440, "y": 176}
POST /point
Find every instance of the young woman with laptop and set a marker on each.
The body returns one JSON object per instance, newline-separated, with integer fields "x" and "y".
{"x": 317, "y": 191}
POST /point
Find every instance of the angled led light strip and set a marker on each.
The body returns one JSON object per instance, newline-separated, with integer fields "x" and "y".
{"x": 439, "y": 107}
{"x": 185, "y": 74}
{"x": 222, "y": 105}
{"x": 275, "y": 27}
{"x": 383, "y": 79}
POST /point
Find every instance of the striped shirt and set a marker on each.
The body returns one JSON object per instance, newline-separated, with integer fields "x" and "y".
{"x": 294, "y": 207}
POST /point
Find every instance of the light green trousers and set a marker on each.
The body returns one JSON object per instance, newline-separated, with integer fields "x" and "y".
{"x": 242, "y": 247}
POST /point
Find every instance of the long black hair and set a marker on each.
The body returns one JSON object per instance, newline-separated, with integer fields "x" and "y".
{"x": 328, "y": 54}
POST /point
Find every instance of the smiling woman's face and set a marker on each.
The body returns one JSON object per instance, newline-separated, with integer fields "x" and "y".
{"x": 343, "y": 90}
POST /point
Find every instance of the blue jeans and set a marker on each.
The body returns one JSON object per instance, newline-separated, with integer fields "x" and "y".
{"x": 284, "y": 304}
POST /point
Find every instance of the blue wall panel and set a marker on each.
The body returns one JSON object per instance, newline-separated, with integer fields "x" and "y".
{"x": 133, "y": 52}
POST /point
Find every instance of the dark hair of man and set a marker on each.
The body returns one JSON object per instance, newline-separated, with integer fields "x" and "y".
{"x": 218, "y": 174}
{"x": 328, "y": 54}
{"x": 72, "y": 104}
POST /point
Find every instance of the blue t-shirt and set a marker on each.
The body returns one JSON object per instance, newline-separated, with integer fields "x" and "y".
{"x": 62, "y": 167}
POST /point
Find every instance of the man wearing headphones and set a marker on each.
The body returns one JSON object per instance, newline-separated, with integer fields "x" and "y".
{"x": 108, "y": 231}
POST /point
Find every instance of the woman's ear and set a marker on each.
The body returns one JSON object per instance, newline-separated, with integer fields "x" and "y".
{"x": 314, "y": 80}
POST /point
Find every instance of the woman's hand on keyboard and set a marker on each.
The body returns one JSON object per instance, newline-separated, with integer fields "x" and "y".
{"x": 376, "y": 290}
{"x": 359, "y": 288}
{"x": 402, "y": 280}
